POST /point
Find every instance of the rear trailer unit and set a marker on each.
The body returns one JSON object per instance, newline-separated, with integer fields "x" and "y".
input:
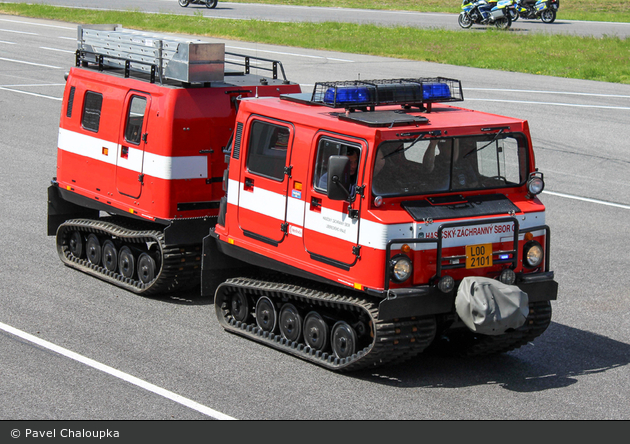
{"x": 144, "y": 122}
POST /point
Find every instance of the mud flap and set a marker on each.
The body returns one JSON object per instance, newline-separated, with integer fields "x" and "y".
{"x": 489, "y": 307}
{"x": 60, "y": 210}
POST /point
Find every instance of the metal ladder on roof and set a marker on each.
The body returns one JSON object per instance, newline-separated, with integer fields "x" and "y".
{"x": 162, "y": 56}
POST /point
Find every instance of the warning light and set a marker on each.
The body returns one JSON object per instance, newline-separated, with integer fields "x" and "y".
{"x": 394, "y": 93}
{"x": 105, "y": 151}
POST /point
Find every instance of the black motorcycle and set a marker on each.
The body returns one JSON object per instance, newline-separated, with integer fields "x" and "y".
{"x": 209, "y": 3}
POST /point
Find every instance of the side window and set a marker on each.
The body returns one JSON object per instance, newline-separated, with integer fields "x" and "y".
{"x": 135, "y": 119}
{"x": 330, "y": 147}
{"x": 92, "y": 104}
{"x": 267, "y": 150}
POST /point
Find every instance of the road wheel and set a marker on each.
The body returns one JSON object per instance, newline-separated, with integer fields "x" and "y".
{"x": 76, "y": 245}
{"x": 146, "y": 268}
{"x": 343, "y": 340}
{"x": 315, "y": 331}
{"x": 110, "y": 256}
{"x": 266, "y": 314}
{"x": 126, "y": 262}
{"x": 211, "y": 4}
{"x": 290, "y": 323}
{"x": 93, "y": 249}
{"x": 184, "y": 3}
{"x": 240, "y": 307}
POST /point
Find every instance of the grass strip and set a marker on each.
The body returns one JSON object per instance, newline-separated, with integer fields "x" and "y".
{"x": 602, "y": 59}
{"x": 593, "y": 10}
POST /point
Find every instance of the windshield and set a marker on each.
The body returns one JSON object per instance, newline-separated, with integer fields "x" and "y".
{"x": 440, "y": 165}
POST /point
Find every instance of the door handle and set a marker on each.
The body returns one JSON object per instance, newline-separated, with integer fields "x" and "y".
{"x": 249, "y": 184}
{"x": 316, "y": 204}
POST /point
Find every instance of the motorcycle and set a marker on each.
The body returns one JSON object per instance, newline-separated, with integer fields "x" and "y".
{"x": 482, "y": 12}
{"x": 544, "y": 10}
{"x": 209, "y": 3}
{"x": 510, "y": 5}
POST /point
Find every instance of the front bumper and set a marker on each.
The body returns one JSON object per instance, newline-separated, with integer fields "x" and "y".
{"x": 428, "y": 300}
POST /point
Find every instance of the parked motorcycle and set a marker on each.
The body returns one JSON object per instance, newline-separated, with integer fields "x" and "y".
{"x": 209, "y": 3}
{"x": 544, "y": 10}
{"x": 483, "y": 12}
{"x": 510, "y": 5}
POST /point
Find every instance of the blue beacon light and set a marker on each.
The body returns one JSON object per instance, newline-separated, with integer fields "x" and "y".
{"x": 387, "y": 93}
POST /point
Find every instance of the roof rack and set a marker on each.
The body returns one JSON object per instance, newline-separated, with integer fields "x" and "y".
{"x": 367, "y": 94}
{"x": 163, "y": 57}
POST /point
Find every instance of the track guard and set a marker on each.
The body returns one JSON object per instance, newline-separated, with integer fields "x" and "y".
{"x": 60, "y": 210}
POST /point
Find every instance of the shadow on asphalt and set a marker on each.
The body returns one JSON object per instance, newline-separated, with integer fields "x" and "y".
{"x": 553, "y": 360}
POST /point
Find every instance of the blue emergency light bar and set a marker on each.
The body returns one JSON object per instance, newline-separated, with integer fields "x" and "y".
{"x": 370, "y": 93}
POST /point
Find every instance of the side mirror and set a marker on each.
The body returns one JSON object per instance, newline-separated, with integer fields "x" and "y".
{"x": 338, "y": 178}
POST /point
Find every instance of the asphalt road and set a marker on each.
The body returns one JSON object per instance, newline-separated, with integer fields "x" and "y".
{"x": 287, "y": 13}
{"x": 130, "y": 357}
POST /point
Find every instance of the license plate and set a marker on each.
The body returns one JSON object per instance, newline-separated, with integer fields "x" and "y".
{"x": 478, "y": 256}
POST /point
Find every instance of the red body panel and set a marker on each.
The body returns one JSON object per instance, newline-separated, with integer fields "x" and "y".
{"x": 176, "y": 172}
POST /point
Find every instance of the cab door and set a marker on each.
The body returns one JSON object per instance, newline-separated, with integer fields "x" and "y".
{"x": 264, "y": 183}
{"x": 331, "y": 227}
{"x": 131, "y": 145}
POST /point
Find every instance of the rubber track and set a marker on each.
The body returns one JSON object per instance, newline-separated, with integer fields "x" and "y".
{"x": 393, "y": 341}
{"x": 179, "y": 266}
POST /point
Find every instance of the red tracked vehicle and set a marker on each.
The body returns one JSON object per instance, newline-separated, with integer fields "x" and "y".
{"x": 358, "y": 224}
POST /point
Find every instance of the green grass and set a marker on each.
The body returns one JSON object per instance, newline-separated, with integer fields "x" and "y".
{"x": 602, "y": 59}
{"x": 597, "y": 10}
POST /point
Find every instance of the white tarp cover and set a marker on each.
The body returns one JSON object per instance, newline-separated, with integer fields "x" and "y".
{"x": 490, "y": 307}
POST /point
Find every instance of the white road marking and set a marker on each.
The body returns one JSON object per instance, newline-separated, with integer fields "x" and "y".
{"x": 532, "y": 102}
{"x": 56, "y": 49}
{"x": 527, "y": 91}
{"x": 290, "y": 54}
{"x": 31, "y": 93}
{"x": 30, "y": 63}
{"x": 17, "y": 32}
{"x": 588, "y": 199}
{"x": 37, "y": 24}
{"x": 116, "y": 373}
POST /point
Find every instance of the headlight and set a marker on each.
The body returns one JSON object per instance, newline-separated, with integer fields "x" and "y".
{"x": 446, "y": 284}
{"x": 532, "y": 254}
{"x": 535, "y": 184}
{"x": 507, "y": 276}
{"x": 401, "y": 268}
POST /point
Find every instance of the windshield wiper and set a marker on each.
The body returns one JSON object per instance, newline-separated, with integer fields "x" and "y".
{"x": 486, "y": 145}
{"x": 421, "y": 136}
